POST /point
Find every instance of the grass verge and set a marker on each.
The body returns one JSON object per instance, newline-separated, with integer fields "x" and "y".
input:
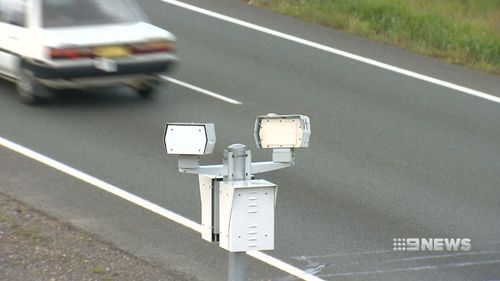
{"x": 463, "y": 32}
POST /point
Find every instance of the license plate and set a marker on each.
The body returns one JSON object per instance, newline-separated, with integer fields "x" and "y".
{"x": 106, "y": 64}
{"x": 111, "y": 52}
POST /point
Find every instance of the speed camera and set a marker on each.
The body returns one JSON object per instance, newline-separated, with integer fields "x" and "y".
{"x": 282, "y": 131}
{"x": 190, "y": 138}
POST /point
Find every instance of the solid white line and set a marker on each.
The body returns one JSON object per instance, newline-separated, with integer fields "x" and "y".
{"x": 144, "y": 204}
{"x": 200, "y": 90}
{"x": 336, "y": 51}
{"x": 100, "y": 184}
{"x": 283, "y": 266}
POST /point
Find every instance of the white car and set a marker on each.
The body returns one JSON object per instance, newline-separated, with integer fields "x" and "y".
{"x": 68, "y": 44}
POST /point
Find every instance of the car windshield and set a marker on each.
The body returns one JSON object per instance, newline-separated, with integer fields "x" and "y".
{"x": 62, "y": 13}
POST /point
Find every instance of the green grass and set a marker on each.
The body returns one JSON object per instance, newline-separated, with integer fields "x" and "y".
{"x": 33, "y": 235}
{"x": 101, "y": 270}
{"x": 461, "y": 31}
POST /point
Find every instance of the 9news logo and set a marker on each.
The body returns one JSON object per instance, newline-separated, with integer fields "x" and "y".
{"x": 431, "y": 244}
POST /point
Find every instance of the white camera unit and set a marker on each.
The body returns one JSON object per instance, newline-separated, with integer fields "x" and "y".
{"x": 282, "y": 131}
{"x": 190, "y": 138}
{"x": 247, "y": 215}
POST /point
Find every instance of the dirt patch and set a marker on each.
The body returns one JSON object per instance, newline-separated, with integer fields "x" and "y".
{"x": 34, "y": 246}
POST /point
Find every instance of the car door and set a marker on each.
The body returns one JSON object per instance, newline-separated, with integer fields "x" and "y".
{"x": 13, "y": 28}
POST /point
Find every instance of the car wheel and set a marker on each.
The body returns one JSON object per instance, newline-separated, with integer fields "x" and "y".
{"x": 28, "y": 89}
{"x": 146, "y": 93}
{"x": 149, "y": 90}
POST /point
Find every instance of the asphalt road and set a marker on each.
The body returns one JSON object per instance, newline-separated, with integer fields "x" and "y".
{"x": 390, "y": 156}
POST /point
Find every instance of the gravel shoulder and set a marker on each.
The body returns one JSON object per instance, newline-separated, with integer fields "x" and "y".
{"x": 34, "y": 246}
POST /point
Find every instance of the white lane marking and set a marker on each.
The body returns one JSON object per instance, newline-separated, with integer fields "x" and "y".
{"x": 144, "y": 204}
{"x": 200, "y": 90}
{"x": 283, "y": 266}
{"x": 335, "y": 51}
{"x": 100, "y": 184}
{"x": 427, "y": 267}
{"x": 343, "y": 255}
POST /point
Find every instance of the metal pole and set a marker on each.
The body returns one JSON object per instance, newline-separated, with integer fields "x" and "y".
{"x": 238, "y": 264}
